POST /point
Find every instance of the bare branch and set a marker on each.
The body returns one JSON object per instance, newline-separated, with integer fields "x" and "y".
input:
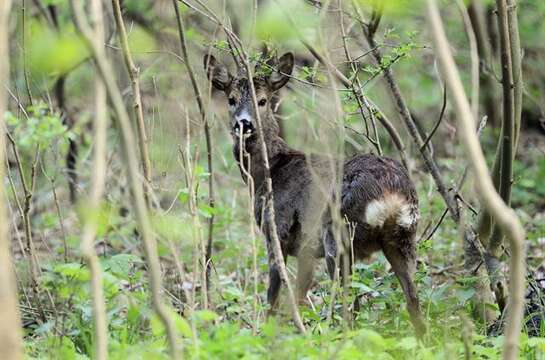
{"x": 439, "y": 120}
{"x": 504, "y": 215}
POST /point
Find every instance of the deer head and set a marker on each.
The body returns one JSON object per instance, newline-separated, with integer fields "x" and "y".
{"x": 267, "y": 81}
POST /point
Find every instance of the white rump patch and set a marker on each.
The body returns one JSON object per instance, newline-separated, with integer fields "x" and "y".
{"x": 392, "y": 206}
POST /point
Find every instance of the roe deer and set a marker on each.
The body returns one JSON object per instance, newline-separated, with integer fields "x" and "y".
{"x": 376, "y": 194}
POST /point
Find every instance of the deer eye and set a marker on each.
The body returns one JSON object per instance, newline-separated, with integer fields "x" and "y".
{"x": 262, "y": 102}
{"x": 232, "y": 101}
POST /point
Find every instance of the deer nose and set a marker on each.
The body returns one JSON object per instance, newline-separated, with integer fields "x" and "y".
{"x": 245, "y": 125}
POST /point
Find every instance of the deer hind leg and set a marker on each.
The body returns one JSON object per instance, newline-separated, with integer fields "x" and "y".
{"x": 403, "y": 263}
{"x": 275, "y": 280}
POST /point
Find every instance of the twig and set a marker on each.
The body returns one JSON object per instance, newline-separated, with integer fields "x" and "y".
{"x": 357, "y": 94}
{"x": 10, "y": 326}
{"x": 439, "y": 120}
{"x": 505, "y": 216}
{"x": 131, "y": 163}
{"x": 445, "y": 212}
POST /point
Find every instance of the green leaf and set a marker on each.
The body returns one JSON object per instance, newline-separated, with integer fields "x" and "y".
{"x": 273, "y": 23}
{"x": 121, "y": 264}
{"x": 72, "y": 270}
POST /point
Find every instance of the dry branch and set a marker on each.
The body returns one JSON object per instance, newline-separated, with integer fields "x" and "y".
{"x": 10, "y": 326}
{"x": 128, "y": 145}
{"x": 134, "y": 72}
{"x": 505, "y": 217}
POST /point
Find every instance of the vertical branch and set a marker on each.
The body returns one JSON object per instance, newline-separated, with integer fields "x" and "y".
{"x": 134, "y": 72}
{"x": 97, "y": 189}
{"x": 516, "y": 63}
{"x": 202, "y": 111}
{"x": 488, "y": 82}
{"x": 505, "y": 217}
{"x": 10, "y": 326}
{"x": 474, "y": 58}
{"x": 25, "y": 214}
{"x": 494, "y": 248}
{"x": 24, "y": 53}
{"x": 490, "y": 97}
{"x": 128, "y": 144}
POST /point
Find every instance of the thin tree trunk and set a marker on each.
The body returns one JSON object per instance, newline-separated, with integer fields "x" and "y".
{"x": 10, "y": 326}
{"x": 504, "y": 215}
{"x": 97, "y": 189}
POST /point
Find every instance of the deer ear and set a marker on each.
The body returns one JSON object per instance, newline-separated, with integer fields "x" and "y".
{"x": 217, "y": 73}
{"x": 280, "y": 76}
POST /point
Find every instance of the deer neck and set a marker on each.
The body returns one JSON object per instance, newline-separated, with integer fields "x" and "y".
{"x": 253, "y": 151}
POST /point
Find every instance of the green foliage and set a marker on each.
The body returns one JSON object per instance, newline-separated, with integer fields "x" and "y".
{"x": 39, "y": 127}
{"x": 392, "y": 7}
{"x": 273, "y": 23}
{"x": 53, "y": 52}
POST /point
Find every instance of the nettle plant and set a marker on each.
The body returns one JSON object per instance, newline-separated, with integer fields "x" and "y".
{"x": 38, "y": 126}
